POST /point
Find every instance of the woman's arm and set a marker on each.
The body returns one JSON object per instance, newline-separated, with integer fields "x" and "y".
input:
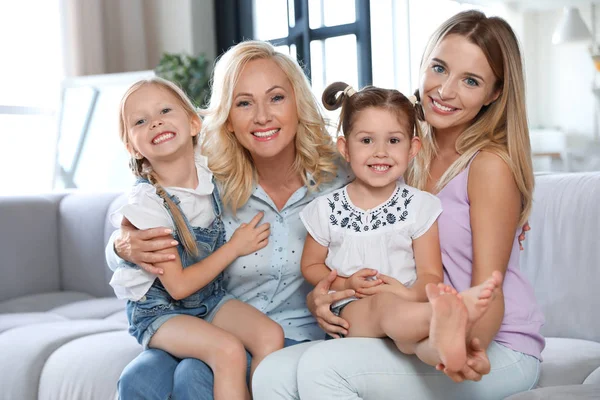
{"x": 140, "y": 247}
{"x": 495, "y": 210}
{"x": 181, "y": 282}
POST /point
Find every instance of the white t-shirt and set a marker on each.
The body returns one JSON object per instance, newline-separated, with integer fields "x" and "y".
{"x": 145, "y": 209}
{"x": 379, "y": 238}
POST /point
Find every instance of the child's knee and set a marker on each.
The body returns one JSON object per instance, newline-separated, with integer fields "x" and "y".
{"x": 229, "y": 351}
{"x": 271, "y": 339}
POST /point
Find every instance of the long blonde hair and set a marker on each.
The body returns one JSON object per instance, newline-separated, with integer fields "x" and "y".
{"x": 229, "y": 161}
{"x": 501, "y": 127}
{"x": 141, "y": 166}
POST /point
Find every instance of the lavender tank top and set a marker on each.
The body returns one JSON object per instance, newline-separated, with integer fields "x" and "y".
{"x": 520, "y": 329}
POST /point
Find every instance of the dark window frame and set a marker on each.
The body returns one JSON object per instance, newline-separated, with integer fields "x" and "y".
{"x": 234, "y": 22}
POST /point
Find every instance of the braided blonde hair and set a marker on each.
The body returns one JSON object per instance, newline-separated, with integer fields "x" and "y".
{"x": 142, "y": 168}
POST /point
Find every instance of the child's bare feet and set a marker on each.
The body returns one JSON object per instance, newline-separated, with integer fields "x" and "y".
{"x": 477, "y": 299}
{"x": 447, "y": 332}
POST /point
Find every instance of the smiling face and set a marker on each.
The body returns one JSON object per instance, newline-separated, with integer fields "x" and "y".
{"x": 378, "y": 148}
{"x": 263, "y": 114}
{"x": 158, "y": 127}
{"x": 456, "y": 83}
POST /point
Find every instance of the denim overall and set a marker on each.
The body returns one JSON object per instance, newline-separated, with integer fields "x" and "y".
{"x": 157, "y": 306}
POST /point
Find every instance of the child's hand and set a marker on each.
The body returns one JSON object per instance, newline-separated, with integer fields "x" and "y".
{"x": 362, "y": 279}
{"x": 249, "y": 238}
{"x": 389, "y": 284}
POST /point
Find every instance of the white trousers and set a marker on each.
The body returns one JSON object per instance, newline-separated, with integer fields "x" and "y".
{"x": 374, "y": 369}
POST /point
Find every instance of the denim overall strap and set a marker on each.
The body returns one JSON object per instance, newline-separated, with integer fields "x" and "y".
{"x": 175, "y": 201}
{"x": 216, "y": 200}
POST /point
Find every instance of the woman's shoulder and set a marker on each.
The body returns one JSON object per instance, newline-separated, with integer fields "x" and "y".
{"x": 490, "y": 166}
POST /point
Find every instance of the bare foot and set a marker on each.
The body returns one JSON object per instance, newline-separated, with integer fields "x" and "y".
{"x": 478, "y": 298}
{"x": 448, "y": 329}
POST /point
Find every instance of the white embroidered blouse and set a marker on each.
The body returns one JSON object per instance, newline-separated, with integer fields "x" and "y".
{"x": 379, "y": 238}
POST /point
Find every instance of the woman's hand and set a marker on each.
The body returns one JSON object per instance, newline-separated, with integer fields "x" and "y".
{"x": 478, "y": 364}
{"x": 319, "y": 302}
{"x": 140, "y": 246}
{"x": 526, "y": 228}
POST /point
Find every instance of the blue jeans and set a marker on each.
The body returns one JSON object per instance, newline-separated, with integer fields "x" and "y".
{"x": 157, "y": 375}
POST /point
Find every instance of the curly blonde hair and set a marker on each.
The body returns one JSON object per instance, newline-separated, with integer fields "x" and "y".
{"x": 229, "y": 161}
{"x": 501, "y": 127}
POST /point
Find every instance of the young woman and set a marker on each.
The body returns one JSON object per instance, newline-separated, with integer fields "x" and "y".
{"x": 476, "y": 159}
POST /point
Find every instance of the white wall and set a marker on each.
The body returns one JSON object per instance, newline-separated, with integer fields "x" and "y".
{"x": 559, "y": 77}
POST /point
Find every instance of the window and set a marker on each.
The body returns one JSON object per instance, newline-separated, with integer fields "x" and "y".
{"x": 330, "y": 38}
{"x": 30, "y": 81}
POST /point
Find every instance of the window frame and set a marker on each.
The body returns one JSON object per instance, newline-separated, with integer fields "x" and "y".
{"x": 235, "y": 23}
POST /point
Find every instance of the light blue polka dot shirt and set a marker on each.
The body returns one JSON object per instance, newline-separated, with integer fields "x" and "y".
{"x": 270, "y": 279}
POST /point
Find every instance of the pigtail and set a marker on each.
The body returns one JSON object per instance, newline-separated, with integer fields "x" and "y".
{"x": 418, "y": 106}
{"x": 144, "y": 169}
{"x": 334, "y": 95}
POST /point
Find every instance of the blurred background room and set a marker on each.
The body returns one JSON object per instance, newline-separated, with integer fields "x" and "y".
{"x": 66, "y": 63}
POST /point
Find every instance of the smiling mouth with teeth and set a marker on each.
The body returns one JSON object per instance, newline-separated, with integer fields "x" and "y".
{"x": 266, "y": 134}
{"x": 163, "y": 137}
{"x": 443, "y": 108}
{"x": 379, "y": 167}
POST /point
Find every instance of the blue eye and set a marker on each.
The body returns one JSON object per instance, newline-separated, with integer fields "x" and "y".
{"x": 242, "y": 103}
{"x": 438, "y": 68}
{"x": 139, "y": 122}
{"x": 165, "y": 110}
{"x": 471, "y": 82}
{"x": 278, "y": 97}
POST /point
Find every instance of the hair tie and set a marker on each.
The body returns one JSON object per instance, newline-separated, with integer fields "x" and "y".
{"x": 349, "y": 91}
{"x": 413, "y": 100}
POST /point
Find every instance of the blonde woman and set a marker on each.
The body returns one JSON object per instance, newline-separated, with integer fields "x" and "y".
{"x": 269, "y": 150}
{"x": 476, "y": 159}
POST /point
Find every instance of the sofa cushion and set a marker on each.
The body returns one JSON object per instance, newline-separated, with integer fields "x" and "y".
{"x": 10, "y": 321}
{"x": 82, "y": 219}
{"x": 29, "y": 347}
{"x": 29, "y": 223}
{"x": 571, "y": 392}
{"x": 593, "y": 378}
{"x": 88, "y": 367}
{"x": 561, "y": 258}
{"x": 568, "y": 361}
{"x": 91, "y": 309}
{"x": 41, "y": 302}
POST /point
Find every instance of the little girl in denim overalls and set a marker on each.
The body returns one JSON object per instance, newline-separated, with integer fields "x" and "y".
{"x": 186, "y": 311}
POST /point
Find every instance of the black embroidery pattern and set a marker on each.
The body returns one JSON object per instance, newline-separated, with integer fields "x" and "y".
{"x": 343, "y": 214}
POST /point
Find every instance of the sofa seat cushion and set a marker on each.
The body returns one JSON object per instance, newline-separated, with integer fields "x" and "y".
{"x": 593, "y": 378}
{"x": 41, "y": 302}
{"x": 88, "y": 367}
{"x": 571, "y": 392}
{"x": 568, "y": 361}
{"x": 29, "y": 347}
{"x": 59, "y": 306}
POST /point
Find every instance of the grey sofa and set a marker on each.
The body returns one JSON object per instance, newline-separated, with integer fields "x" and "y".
{"x": 64, "y": 336}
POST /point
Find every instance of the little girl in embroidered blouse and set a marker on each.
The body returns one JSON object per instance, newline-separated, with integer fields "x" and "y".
{"x": 381, "y": 235}
{"x": 186, "y": 311}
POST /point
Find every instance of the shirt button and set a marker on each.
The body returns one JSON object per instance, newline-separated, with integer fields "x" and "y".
{"x": 279, "y": 218}
{"x": 143, "y": 298}
{"x": 265, "y": 298}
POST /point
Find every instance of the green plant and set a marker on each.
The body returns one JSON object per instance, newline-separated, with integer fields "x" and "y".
{"x": 192, "y": 74}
